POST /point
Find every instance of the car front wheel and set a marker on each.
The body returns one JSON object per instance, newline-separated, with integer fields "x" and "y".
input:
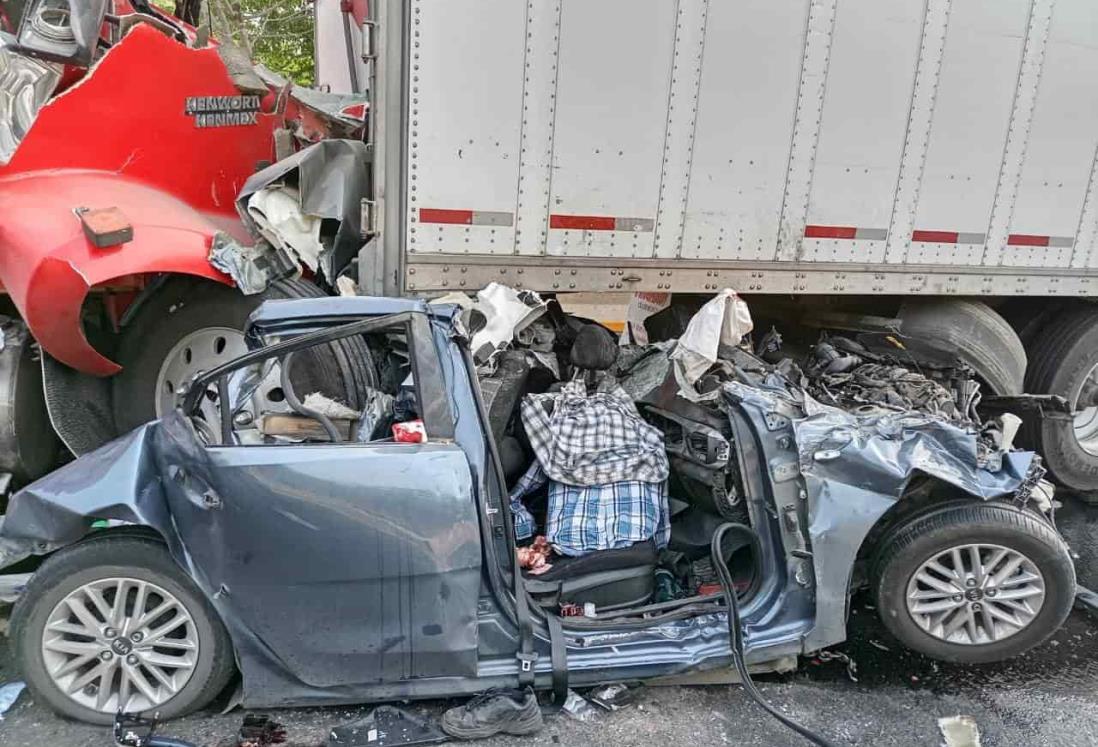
{"x": 974, "y": 582}
{"x": 113, "y": 624}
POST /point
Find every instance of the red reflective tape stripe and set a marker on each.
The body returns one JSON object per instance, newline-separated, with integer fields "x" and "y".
{"x": 583, "y": 222}
{"x": 830, "y": 232}
{"x": 936, "y": 237}
{"x": 1024, "y": 239}
{"x": 437, "y": 215}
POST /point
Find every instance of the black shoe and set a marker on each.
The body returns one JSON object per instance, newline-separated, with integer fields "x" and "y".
{"x": 508, "y": 711}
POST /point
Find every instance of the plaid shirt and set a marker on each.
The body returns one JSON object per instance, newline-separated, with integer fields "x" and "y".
{"x": 607, "y": 471}
{"x": 593, "y": 439}
{"x": 599, "y": 517}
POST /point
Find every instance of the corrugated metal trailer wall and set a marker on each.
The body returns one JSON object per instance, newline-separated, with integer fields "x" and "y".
{"x": 817, "y": 146}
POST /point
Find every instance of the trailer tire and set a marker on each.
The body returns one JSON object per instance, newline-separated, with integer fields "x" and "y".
{"x": 976, "y": 333}
{"x": 1064, "y": 357}
{"x": 931, "y": 544}
{"x": 184, "y": 307}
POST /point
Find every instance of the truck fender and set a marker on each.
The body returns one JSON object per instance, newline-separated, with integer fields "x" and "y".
{"x": 48, "y": 264}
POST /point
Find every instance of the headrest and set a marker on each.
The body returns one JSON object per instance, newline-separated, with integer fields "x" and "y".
{"x": 594, "y": 349}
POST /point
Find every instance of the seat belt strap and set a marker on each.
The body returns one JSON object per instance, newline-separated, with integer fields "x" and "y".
{"x": 560, "y": 659}
{"x": 526, "y": 656}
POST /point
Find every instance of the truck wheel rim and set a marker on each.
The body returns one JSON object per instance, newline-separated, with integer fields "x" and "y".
{"x": 120, "y": 644}
{"x": 198, "y": 351}
{"x": 1086, "y": 420}
{"x": 975, "y": 594}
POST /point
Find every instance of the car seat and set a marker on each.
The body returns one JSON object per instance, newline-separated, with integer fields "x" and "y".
{"x": 609, "y": 579}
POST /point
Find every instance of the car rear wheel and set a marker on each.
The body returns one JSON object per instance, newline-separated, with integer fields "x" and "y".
{"x": 113, "y": 624}
{"x": 974, "y": 582}
{"x": 190, "y": 325}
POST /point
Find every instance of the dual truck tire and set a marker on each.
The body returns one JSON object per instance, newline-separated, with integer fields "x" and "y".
{"x": 1060, "y": 358}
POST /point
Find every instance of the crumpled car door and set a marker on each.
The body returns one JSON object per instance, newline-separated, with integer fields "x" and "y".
{"x": 343, "y": 563}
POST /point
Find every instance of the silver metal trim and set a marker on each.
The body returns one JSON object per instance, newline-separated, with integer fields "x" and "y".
{"x": 806, "y": 128}
{"x": 680, "y": 126}
{"x": 1021, "y": 116}
{"x": 924, "y": 96}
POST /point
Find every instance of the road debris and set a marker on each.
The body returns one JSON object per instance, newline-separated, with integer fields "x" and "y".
{"x": 959, "y": 731}
{"x": 9, "y": 692}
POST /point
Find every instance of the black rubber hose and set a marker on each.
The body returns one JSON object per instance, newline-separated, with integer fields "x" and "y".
{"x": 297, "y": 406}
{"x": 735, "y": 633}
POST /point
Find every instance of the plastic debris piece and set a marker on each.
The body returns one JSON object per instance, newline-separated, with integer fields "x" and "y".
{"x": 642, "y": 306}
{"x": 387, "y": 725}
{"x": 410, "y": 432}
{"x": 318, "y": 402}
{"x": 258, "y": 730}
{"x": 722, "y": 322}
{"x": 578, "y": 708}
{"x": 959, "y": 731}
{"x": 8, "y": 694}
{"x": 851, "y": 665}
{"x": 613, "y": 697}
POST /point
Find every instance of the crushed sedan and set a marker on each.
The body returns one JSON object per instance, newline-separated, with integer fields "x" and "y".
{"x": 504, "y": 496}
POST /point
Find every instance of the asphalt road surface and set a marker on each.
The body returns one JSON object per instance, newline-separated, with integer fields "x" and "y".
{"x": 1047, "y": 697}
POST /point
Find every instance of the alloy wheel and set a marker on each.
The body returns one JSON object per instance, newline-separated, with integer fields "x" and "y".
{"x": 975, "y": 593}
{"x": 120, "y": 644}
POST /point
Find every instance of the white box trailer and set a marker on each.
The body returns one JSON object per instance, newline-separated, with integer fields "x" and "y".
{"x": 782, "y": 146}
{"x": 865, "y": 151}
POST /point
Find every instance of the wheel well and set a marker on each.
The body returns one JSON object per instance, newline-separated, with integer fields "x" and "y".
{"x": 126, "y": 530}
{"x": 922, "y": 495}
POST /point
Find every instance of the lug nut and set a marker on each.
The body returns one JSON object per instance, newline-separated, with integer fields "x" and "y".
{"x": 131, "y": 659}
{"x": 106, "y": 656}
{"x": 110, "y": 633}
{"x": 990, "y": 592}
{"x": 91, "y": 689}
{"x": 958, "y": 598}
{"x": 136, "y": 637}
{"x": 976, "y": 606}
{"x": 970, "y": 582}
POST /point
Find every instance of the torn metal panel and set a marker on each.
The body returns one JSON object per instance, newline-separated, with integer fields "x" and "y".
{"x": 328, "y": 177}
{"x": 277, "y": 213}
{"x": 856, "y": 465}
{"x": 252, "y": 268}
{"x": 25, "y": 86}
{"x": 228, "y": 516}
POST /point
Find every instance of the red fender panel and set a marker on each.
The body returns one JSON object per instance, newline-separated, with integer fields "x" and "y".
{"x": 124, "y": 137}
{"x": 48, "y": 265}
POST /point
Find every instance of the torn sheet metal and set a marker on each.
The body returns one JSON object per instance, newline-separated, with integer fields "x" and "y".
{"x": 277, "y": 214}
{"x": 339, "y": 573}
{"x": 722, "y": 322}
{"x": 26, "y": 84}
{"x": 507, "y": 312}
{"x": 252, "y": 268}
{"x": 328, "y": 179}
{"x": 856, "y": 465}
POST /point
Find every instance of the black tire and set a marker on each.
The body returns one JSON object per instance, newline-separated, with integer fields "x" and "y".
{"x": 183, "y": 305}
{"x": 108, "y": 557}
{"x": 1062, "y": 356}
{"x": 903, "y": 551}
{"x": 976, "y": 333}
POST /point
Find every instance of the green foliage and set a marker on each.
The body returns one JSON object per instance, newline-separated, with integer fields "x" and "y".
{"x": 277, "y": 33}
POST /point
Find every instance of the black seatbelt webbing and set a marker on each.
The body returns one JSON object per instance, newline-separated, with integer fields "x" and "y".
{"x": 560, "y": 659}
{"x": 525, "y": 655}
